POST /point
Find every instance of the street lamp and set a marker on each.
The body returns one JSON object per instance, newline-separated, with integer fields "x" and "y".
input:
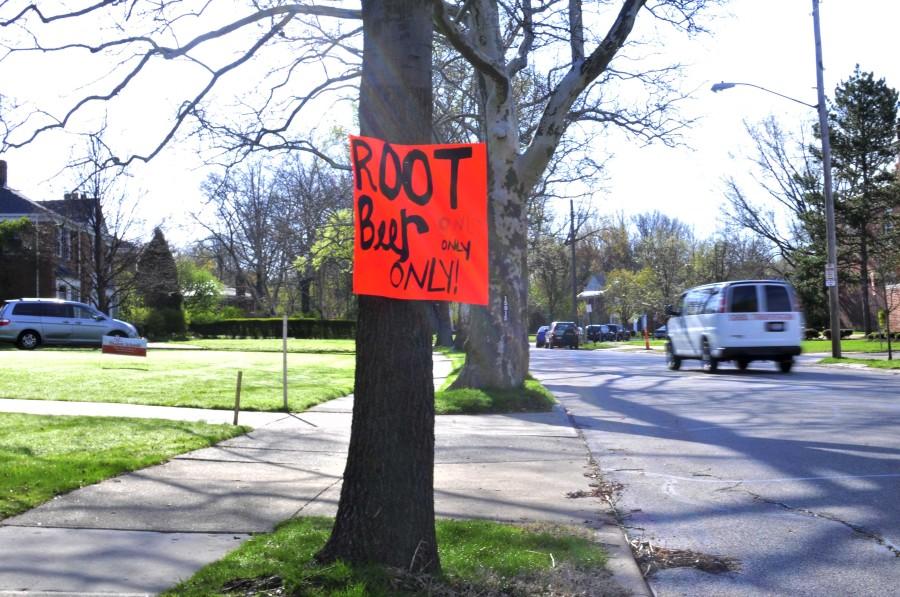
{"x": 831, "y": 235}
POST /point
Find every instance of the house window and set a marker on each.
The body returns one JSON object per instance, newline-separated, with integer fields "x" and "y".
{"x": 66, "y": 242}
{"x": 73, "y": 243}
{"x": 61, "y": 292}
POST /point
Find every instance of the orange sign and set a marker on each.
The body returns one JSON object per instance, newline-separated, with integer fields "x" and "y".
{"x": 420, "y": 220}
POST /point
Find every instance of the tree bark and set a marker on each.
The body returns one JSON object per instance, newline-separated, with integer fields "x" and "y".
{"x": 443, "y": 326}
{"x": 498, "y": 356}
{"x": 386, "y": 511}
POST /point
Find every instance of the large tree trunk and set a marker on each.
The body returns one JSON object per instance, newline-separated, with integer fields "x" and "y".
{"x": 497, "y": 350}
{"x": 864, "y": 283}
{"x": 386, "y": 512}
{"x": 443, "y": 327}
{"x": 497, "y": 356}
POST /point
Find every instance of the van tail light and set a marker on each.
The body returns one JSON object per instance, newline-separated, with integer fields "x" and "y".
{"x": 4, "y": 322}
{"x": 722, "y": 302}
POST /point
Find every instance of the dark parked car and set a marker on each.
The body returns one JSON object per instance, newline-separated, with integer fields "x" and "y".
{"x": 562, "y": 333}
{"x": 660, "y": 332}
{"x": 595, "y": 332}
{"x": 616, "y": 333}
{"x": 540, "y": 340}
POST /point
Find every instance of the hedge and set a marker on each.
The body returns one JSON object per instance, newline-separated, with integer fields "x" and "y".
{"x": 812, "y": 334}
{"x": 845, "y": 333}
{"x": 883, "y": 336}
{"x": 271, "y": 327}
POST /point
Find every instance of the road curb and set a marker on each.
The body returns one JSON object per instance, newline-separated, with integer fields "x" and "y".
{"x": 612, "y": 536}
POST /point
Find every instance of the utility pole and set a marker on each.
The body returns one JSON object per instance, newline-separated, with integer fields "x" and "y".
{"x": 574, "y": 278}
{"x": 831, "y": 278}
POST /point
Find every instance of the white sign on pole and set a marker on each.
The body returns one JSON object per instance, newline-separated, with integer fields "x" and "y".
{"x": 830, "y": 275}
{"x": 589, "y": 308}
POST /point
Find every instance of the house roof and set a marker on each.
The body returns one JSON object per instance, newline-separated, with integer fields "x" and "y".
{"x": 13, "y": 203}
{"x": 77, "y": 210}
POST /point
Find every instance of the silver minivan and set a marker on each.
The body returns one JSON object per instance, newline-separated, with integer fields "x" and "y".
{"x": 740, "y": 321}
{"x": 32, "y": 322}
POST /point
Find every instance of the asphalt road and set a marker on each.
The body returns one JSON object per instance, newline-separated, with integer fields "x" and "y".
{"x": 796, "y": 476}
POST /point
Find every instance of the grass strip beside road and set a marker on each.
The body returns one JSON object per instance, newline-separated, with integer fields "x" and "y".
{"x": 199, "y": 379}
{"x": 44, "y": 456}
{"x": 311, "y": 346}
{"x": 873, "y": 363}
{"x": 477, "y": 557}
{"x": 534, "y": 397}
{"x": 865, "y": 346}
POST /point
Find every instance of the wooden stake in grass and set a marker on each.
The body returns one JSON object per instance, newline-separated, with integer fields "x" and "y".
{"x": 237, "y": 397}
{"x": 284, "y": 330}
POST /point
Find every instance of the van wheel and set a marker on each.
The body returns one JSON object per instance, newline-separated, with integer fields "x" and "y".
{"x": 742, "y": 364}
{"x": 28, "y": 340}
{"x": 785, "y": 365}
{"x": 673, "y": 361}
{"x": 709, "y": 363}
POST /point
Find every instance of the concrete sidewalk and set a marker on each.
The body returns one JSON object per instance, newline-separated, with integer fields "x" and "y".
{"x": 140, "y": 533}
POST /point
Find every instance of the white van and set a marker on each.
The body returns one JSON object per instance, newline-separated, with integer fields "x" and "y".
{"x": 741, "y": 321}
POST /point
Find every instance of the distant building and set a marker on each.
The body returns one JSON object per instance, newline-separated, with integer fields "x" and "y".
{"x": 52, "y": 258}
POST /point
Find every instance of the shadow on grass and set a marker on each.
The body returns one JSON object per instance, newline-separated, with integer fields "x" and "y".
{"x": 477, "y": 557}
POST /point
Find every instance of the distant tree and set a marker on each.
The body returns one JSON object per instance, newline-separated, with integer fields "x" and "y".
{"x": 630, "y": 294}
{"x": 732, "y": 255}
{"x": 157, "y": 285}
{"x": 664, "y": 245}
{"x": 863, "y": 122}
{"x": 199, "y": 287}
{"x": 107, "y": 205}
{"x": 789, "y": 216}
{"x": 329, "y": 263}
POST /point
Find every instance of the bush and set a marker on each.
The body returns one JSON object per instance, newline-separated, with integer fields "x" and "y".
{"x": 163, "y": 324}
{"x": 812, "y": 334}
{"x": 270, "y": 327}
{"x": 845, "y": 333}
{"x": 883, "y": 336}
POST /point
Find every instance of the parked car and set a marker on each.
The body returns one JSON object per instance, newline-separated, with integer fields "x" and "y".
{"x": 32, "y": 322}
{"x": 540, "y": 340}
{"x": 562, "y": 333}
{"x": 616, "y": 333}
{"x": 594, "y": 332}
{"x": 741, "y": 321}
{"x": 660, "y": 332}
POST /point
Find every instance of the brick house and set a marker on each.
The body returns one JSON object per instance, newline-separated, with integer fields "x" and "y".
{"x": 51, "y": 258}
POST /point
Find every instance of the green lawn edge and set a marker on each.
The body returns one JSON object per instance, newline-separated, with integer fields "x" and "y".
{"x": 42, "y": 456}
{"x": 475, "y": 555}
{"x": 533, "y": 397}
{"x": 871, "y": 363}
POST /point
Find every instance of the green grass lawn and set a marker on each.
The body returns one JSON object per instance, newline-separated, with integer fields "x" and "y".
{"x": 42, "y": 456}
{"x": 202, "y": 379}
{"x": 476, "y": 557}
{"x": 467, "y": 401}
{"x": 846, "y": 346}
{"x": 313, "y": 346}
{"x": 874, "y": 363}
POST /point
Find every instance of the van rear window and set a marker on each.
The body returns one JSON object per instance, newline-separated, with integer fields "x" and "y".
{"x": 743, "y": 299}
{"x": 777, "y": 299}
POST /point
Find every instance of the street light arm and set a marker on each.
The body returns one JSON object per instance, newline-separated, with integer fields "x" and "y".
{"x": 728, "y": 85}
